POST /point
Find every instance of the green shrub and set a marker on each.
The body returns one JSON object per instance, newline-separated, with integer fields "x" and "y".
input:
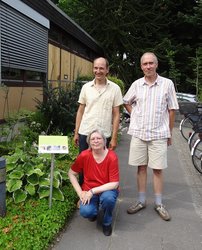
{"x": 86, "y": 78}
{"x": 6, "y": 148}
{"x": 28, "y": 173}
{"x": 29, "y": 222}
{"x": 118, "y": 82}
{"x": 32, "y": 224}
{"x": 200, "y": 95}
{"x": 59, "y": 109}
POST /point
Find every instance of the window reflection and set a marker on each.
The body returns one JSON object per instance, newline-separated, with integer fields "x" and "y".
{"x": 21, "y": 76}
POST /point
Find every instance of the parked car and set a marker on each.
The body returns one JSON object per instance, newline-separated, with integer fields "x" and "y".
{"x": 184, "y": 97}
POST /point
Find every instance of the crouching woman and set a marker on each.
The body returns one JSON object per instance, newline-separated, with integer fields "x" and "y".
{"x": 101, "y": 180}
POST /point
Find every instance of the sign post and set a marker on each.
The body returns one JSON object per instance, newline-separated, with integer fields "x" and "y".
{"x": 53, "y": 145}
{"x": 51, "y": 180}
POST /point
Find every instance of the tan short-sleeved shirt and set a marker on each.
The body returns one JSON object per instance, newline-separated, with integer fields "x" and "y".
{"x": 98, "y": 107}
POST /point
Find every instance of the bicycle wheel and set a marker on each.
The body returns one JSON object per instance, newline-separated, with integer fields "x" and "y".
{"x": 197, "y": 155}
{"x": 193, "y": 138}
{"x": 186, "y": 126}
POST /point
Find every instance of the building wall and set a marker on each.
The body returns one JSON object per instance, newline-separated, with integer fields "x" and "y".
{"x": 12, "y": 99}
{"x": 60, "y": 63}
{"x": 64, "y": 56}
{"x": 64, "y": 67}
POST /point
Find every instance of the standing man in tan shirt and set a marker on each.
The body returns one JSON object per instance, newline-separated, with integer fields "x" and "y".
{"x": 99, "y": 107}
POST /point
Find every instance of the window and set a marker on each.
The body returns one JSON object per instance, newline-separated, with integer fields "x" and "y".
{"x": 14, "y": 77}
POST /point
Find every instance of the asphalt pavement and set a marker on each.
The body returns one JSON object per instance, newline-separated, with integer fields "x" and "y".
{"x": 146, "y": 230}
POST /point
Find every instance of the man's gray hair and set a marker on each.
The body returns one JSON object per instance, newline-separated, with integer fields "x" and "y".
{"x": 149, "y": 53}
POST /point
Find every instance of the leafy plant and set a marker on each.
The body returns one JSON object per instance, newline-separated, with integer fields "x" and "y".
{"x": 32, "y": 225}
{"x": 86, "y": 78}
{"x": 59, "y": 109}
{"x": 29, "y": 222}
{"x": 28, "y": 174}
{"x": 6, "y": 147}
{"x": 118, "y": 82}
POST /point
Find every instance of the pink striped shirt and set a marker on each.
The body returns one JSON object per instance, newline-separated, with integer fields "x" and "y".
{"x": 150, "y": 105}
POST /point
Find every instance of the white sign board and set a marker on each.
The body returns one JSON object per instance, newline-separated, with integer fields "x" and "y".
{"x": 53, "y": 144}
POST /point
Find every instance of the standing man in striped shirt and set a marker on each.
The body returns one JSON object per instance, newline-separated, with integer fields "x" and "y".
{"x": 151, "y": 101}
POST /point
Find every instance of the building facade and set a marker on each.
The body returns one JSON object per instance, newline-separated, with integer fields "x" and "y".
{"x": 40, "y": 45}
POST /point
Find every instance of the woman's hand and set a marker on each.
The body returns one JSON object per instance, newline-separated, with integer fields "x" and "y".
{"x": 85, "y": 197}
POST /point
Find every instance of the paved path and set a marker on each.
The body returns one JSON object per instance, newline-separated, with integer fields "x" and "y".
{"x": 146, "y": 230}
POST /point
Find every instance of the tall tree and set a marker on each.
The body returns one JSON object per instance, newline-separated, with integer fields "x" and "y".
{"x": 128, "y": 27}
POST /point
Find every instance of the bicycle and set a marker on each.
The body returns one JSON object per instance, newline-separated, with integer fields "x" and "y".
{"x": 196, "y": 151}
{"x": 192, "y": 113}
{"x": 196, "y": 134}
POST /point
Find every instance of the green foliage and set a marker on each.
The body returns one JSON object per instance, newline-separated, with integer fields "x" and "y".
{"x": 6, "y": 148}
{"x": 85, "y": 78}
{"x": 199, "y": 73}
{"x": 20, "y": 130}
{"x": 28, "y": 173}
{"x": 118, "y": 82}
{"x": 197, "y": 69}
{"x": 29, "y": 222}
{"x": 32, "y": 225}
{"x": 10, "y": 129}
{"x": 59, "y": 109}
{"x": 173, "y": 73}
{"x": 125, "y": 28}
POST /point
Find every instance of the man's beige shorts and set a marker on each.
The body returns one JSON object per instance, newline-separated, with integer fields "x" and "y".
{"x": 150, "y": 153}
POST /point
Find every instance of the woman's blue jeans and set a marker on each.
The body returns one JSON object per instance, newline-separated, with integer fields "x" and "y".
{"x": 105, "y": 201}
